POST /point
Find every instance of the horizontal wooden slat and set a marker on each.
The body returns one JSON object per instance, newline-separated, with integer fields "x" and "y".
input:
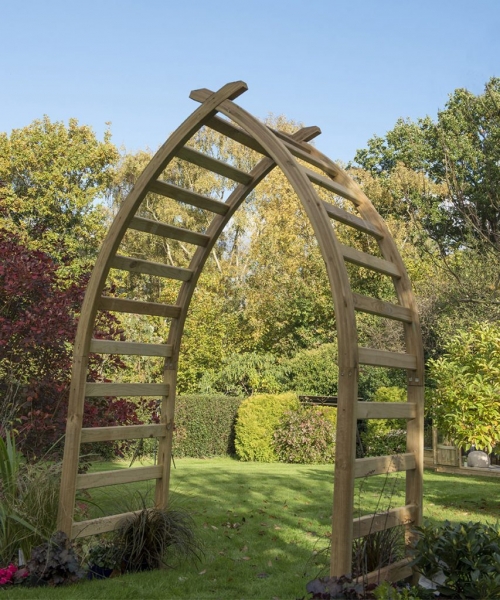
{"x": 93, "y": 390}
{"x": 374, "y": 263}
{"x": 376, "y": 465}
{"x": 136, "y": 265}
{"x": 383, "y": 358}
{"x": 130, "y": 348}
{"x": 137, "y": 307}
{"x": 341, "y": 215}
{"x": 390, "y": 518}
{"x": 386, "y": 410}
{"x": 332, "y": 186}
{"x": 122, "y": 432}
{"x": 182, "y": 195}
{"x": 82, "y": 529}
{"x": 380, "y": 308}
{"x": 216, "y": 166}
{"x": 103, "y": 478}
{"x": 169, "y": 231}
{"x": 397, "y": 571}
{"x": 303, "y": 154}
{"x": 235, "y": 133}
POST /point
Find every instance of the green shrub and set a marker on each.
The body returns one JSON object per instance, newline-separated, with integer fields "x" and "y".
{"x": 464, "y": 403}
{"x": 258, "y": 417}
{"x": 371, "y": 379}
{"x": 468, "y": 555}
{"x": 385, "y": 436}
{"x": 245, "y": 374}
{"x": 313, "y": 372}
{"x": 305, "y": 435}
{"x": 204, "y": 425}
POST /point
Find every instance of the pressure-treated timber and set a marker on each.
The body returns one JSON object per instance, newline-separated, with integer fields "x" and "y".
{"x": 146, "y": 267}
{"x": 122, "y": 432}
{"x": 289, "y": 153}
{"x": 380, "y": 308}
{"x": 332, "y": 186}
{"x": 394, "y": 572}
{"x": 97, "y": 282}
{"x": 393, "y": 517}
{"x": 376, "y": 465}
{"x": 137, "y": 307}
{"x": 100, "y": 525}
{"x": 383, "y": 358}
{"x": 104, "y": 478}
{"x": 363, "y": 259}
{"x": 387, "y": 410}
{"x": 169, "y": 231}
{"x": 235, "y": 133}
{"x": 182, "y": 195}
{"x": 130, "y": 348}
{"x": 93, "y": 390}
{"x": 341, "y": 215}
{"x": 217, "y": 166}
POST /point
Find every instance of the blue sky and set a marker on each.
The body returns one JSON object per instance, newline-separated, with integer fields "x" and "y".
{"x": 351, "y": 68}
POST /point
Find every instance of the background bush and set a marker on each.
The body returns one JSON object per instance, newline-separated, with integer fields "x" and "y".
{"x": 385, "y": 436}
{"x": 313, "y": 372}
{"x": 464, "y": 403}
{"x": 258, "y": 417}
{"x": 306, "y": 435}
{"x": 204, "y": 425}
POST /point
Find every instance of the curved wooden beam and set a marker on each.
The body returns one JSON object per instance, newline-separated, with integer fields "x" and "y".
{"x": 278, "y": 150}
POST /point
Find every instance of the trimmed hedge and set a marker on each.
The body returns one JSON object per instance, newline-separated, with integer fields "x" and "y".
{"x": 258, "y": 417}
{"x": 204, "y": 425}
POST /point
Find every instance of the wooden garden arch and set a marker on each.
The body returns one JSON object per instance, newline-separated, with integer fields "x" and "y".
{"x": 305, "y": 168}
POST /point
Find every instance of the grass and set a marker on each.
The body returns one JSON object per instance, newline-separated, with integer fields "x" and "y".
{"x": 263, "y": 527}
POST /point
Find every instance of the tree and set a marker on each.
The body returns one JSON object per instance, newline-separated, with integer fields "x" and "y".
{"x": 38, "y": 318}
{"x": 442, "y": 179}
{"x": 457, "y": 159}
{"x": 52, "y": 177}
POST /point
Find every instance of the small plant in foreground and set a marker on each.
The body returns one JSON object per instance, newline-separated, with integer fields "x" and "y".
{"x": 102, "y": 558}
{"x": 54, "y": 563}
{"x": 327, "y": 588}
{"x": 12, "y": 574}
{"x": 377, "y": 550}
{"x": 467, "y": 554}
{"x": 330, "y": 588}
{"x": 28, "y": 501}
{"x": 147, "y": 539}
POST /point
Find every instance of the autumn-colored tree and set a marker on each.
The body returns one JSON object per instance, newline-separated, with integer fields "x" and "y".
{"x": 38, "y": 318}
{"x": 52, "y": 177}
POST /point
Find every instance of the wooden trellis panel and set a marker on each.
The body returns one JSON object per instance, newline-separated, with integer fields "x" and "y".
{"x": 306, "y": 169}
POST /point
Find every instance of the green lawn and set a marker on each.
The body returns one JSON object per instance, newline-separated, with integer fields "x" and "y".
{"x": 264, "y": 526}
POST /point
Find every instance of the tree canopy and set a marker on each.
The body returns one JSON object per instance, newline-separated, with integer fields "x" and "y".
{"x": 455, "y": 164}
{"x": 52, "y": 177}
